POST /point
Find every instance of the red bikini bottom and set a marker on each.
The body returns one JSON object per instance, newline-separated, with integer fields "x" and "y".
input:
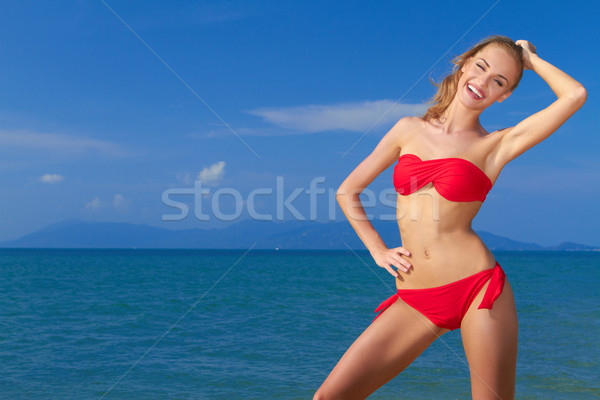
{"x": 446, "y": 305}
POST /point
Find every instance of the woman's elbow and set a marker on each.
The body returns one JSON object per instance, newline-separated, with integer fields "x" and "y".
{"x": 579, "y": 95}
{"x": 344, "y": 191}
{"x": 340, "y": 195}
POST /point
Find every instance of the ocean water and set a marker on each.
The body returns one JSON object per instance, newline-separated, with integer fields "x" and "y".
{"x": 177, "y": 324}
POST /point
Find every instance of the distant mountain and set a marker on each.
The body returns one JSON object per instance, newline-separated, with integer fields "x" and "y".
{"x": 571, "y": 246}
{"x": 241, "y": 235}
{"x": 495, "y": 242}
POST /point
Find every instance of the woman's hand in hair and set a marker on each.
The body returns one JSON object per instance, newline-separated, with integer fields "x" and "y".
{"x": 528, "y": 50}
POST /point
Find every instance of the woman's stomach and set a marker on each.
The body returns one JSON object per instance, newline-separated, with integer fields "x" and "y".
{"x": 438, "y": 259}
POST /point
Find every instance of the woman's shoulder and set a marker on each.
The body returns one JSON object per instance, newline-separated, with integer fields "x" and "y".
{"x": 402, "y": 132}
{"x": 412, "y": 121}
{"x": 407, "y": 126}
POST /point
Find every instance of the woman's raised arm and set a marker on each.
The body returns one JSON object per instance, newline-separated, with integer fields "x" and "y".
{"x": 532, "y": 130}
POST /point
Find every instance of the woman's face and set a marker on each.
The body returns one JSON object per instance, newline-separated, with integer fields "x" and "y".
{"x": 487, "y": 77}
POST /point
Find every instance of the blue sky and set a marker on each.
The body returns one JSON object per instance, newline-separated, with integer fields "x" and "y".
{"x": 107, "y": 106}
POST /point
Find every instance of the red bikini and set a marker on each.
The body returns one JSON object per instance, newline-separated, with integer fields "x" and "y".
{"x": 459, "y": 180}
{"x": 455, "y": 179}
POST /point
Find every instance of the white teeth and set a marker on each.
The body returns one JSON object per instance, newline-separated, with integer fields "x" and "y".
{"x": 475, "y": 91}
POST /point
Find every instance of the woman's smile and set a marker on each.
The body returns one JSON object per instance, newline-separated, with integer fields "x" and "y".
{"x": 475, "y": 91}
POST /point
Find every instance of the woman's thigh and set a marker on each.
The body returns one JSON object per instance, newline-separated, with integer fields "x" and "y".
{"x": 380, "y": 353}
{"x": 490, "y": 341}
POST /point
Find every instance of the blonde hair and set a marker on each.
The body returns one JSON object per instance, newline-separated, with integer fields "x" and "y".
{"x": 447, "y": 89}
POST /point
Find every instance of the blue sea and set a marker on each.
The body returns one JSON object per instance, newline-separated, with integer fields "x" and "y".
{"x": 258, "y": 324}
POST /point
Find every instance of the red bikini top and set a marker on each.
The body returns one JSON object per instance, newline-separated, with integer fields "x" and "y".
{"x": 455, "y": 179}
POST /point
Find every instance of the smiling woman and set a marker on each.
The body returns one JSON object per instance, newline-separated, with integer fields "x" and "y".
{"x": 446, "y": 163}
{"x": 447, "y": 89}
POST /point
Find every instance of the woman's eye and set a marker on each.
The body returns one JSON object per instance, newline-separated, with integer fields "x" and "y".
{"x": 480, "y": 66}
{"x": 499, "y": 83}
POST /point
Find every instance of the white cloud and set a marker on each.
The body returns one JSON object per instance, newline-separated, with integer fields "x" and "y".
{"x": 52, "y": 178}
{"x": 211, "y": 175}
{"x": 242, "y": 131}
{"x": 61, "y": 143}
{"x": 119, "y": 201}
{"x": 94, "y": 204}
{"x": 356, "y": 116}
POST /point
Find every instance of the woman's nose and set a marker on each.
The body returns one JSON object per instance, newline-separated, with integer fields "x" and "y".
{"x": 484, "y": 80}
